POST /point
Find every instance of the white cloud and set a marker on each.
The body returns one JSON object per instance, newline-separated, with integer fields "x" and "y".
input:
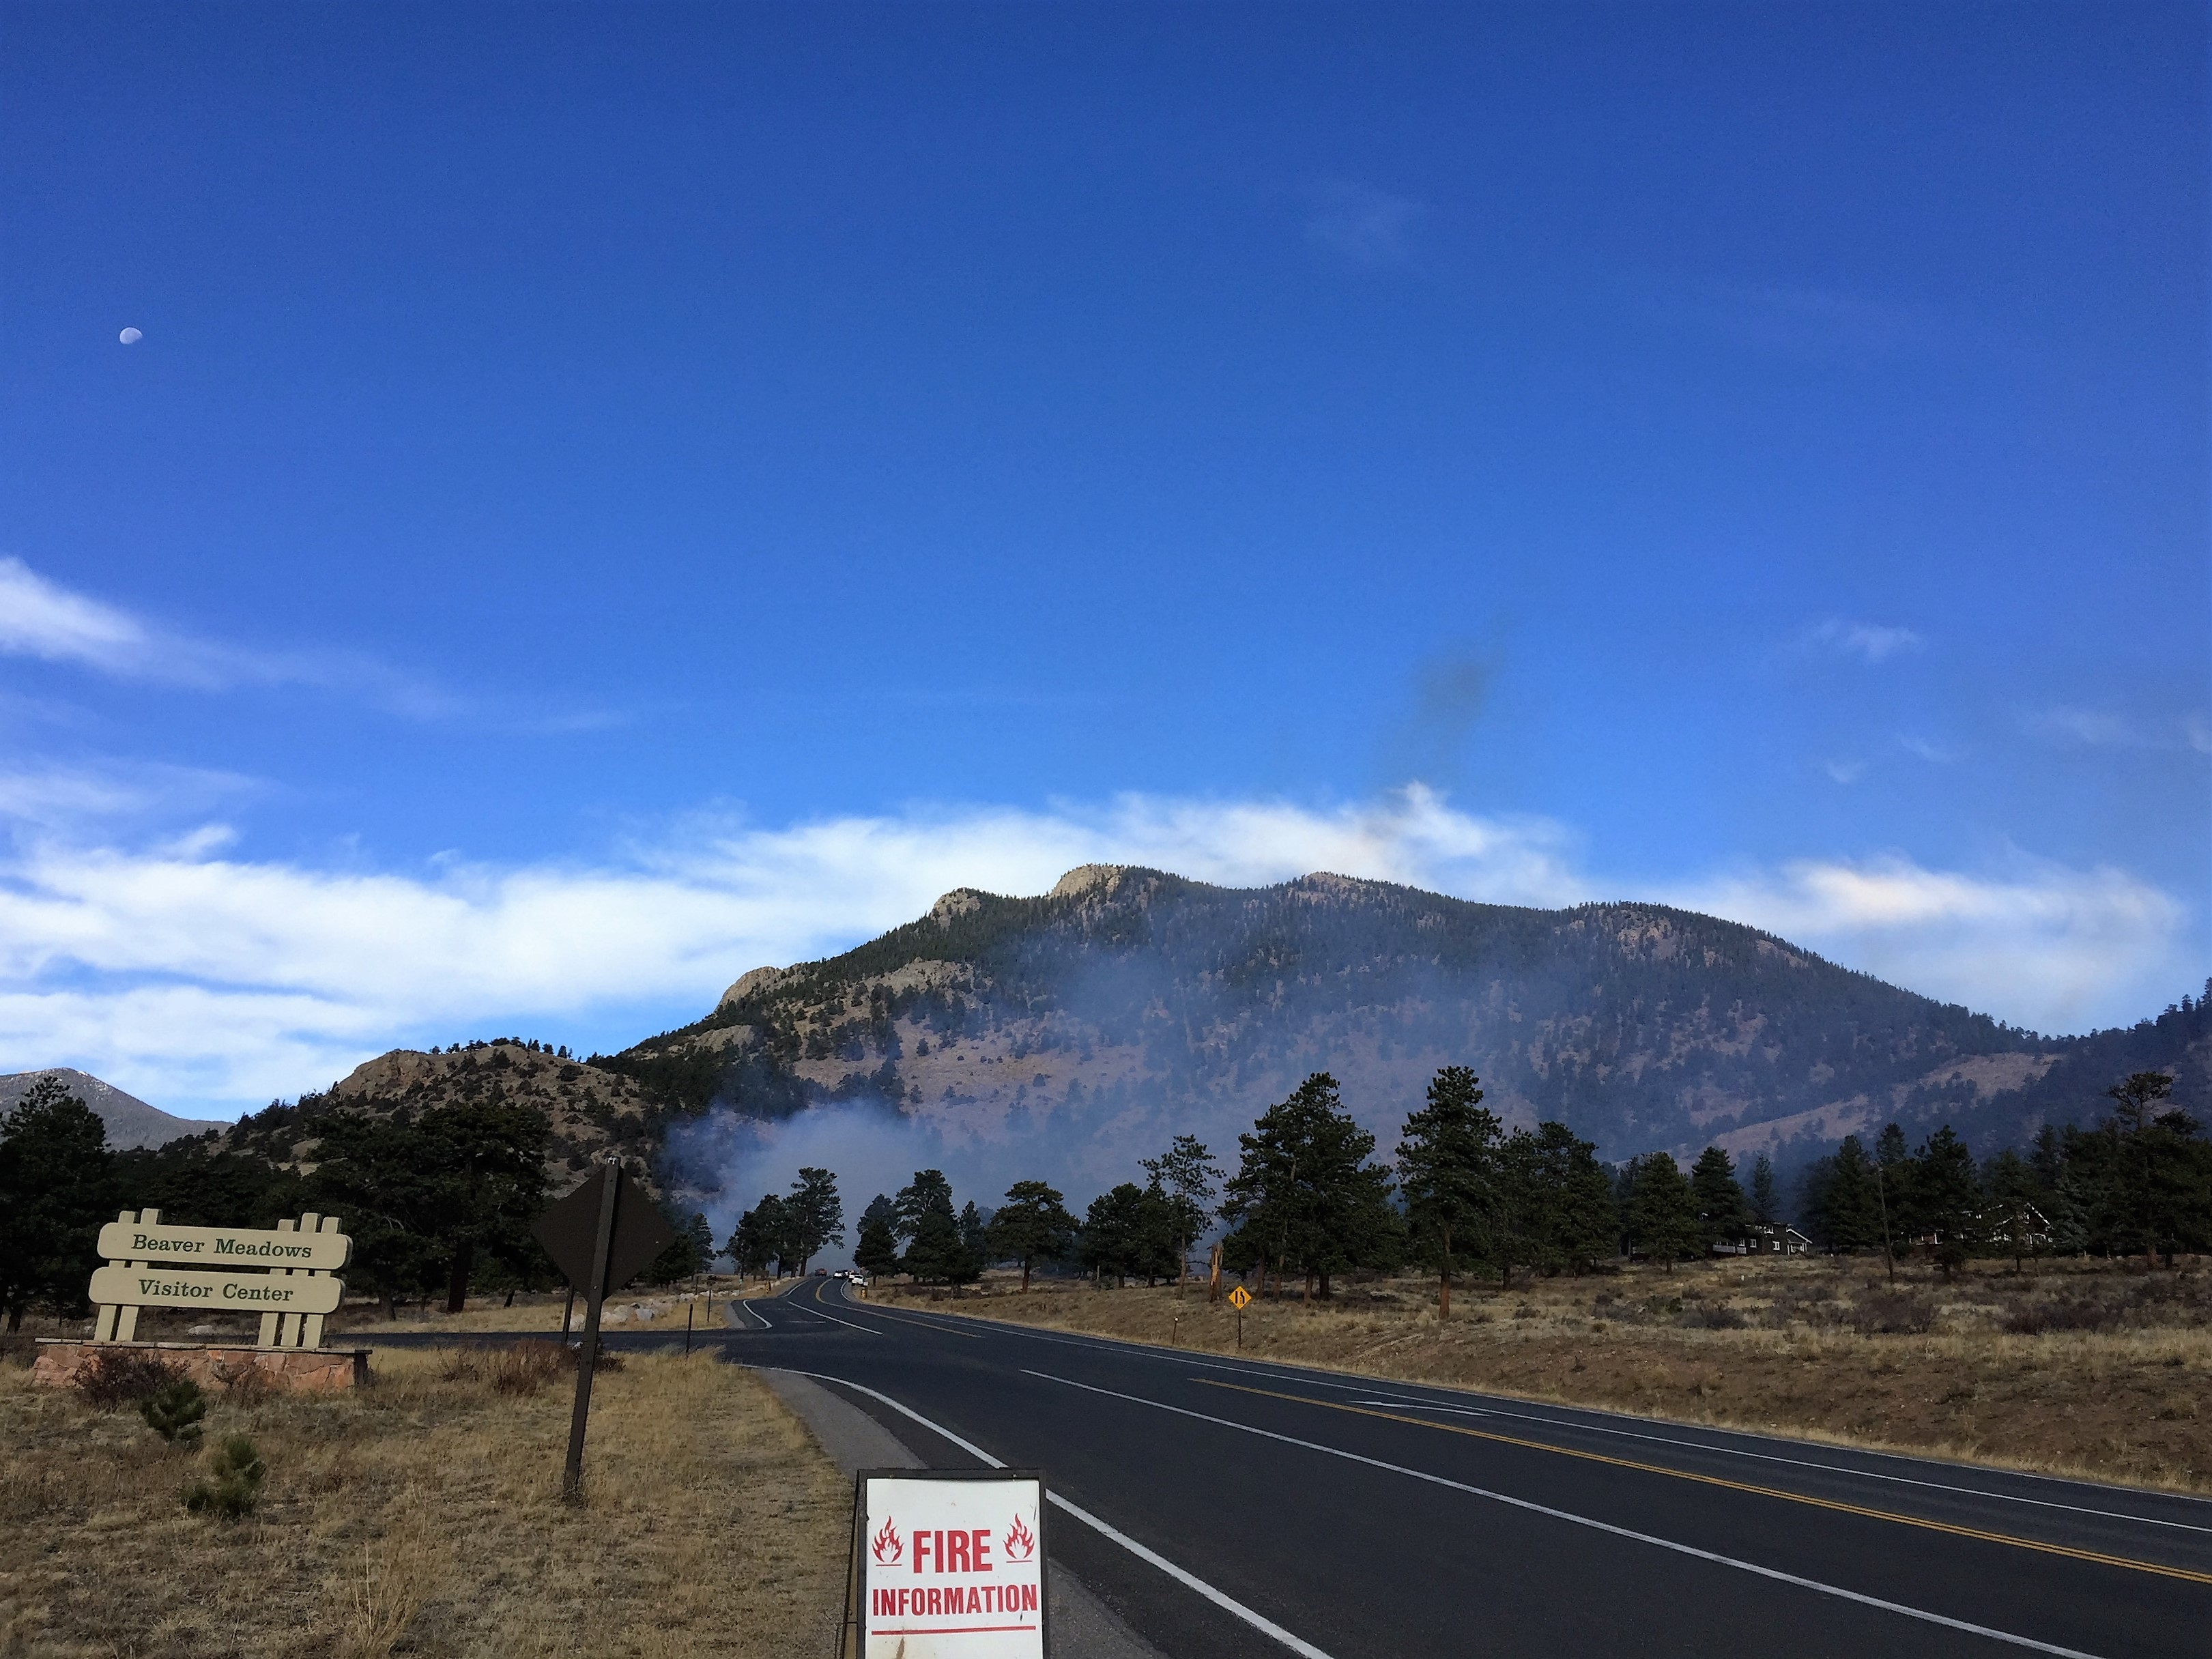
{"x": 1865, "y": 641}
{"x": 2041, "y": 945}
{"x": 42, "y": 619}
{"x": 2083, "y": 728}
{"x": 1845, "y": 772}
{"x": 1368, "y": 226}
{"x": 201, "y": 979}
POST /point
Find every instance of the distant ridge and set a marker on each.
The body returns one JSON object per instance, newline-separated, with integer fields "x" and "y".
{"x": 1130, "y": 1003}
{"x": 130, "y": 1122}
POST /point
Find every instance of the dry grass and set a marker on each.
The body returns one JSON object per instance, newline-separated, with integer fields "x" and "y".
{"x": 2072, "y": 1367}
{"x": 423, "y": 1515}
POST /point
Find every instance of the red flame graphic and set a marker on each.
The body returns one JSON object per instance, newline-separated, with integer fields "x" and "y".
{"x": 885, "y": 1544}
{"x": 1021, "y": 1542}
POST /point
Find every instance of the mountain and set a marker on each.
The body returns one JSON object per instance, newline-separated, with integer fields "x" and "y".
{"x": 1130, "y": 1005}
{"x": 130, "y": 1122}
{"x": 586, "y": 1107}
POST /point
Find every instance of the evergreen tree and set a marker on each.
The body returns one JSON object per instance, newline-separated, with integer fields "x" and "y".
{"x": 1765, "y": 1196}
{"x": 55, "y": 1193}
{"x": 975, "y": 1232}
{"x": 762, "y": 1236}
{"x": 937, "y": 1254}
{"x": 1032, "y": 1226}
{"x": 457, "y": 1179}
{"x": 2017, "y": 1192}
{"x": 1129, "y": 1231}
{"x": 691, "y": 1250}
{"x": 928, "y": 1191}
{"x": 1448, "y": 1171}
{"x": 1580, "y": 1220}
{"x": 1723, "y": 1215}
{"x": 815, "y": 1213}
{"x": 1186, "y": 1175}
{"x": 1663, "y": 1213}
{"x": 1947, "y": 1200}
{"x": 1306, "y": 1192}
{"x": 878, "y": 1251}
{"x": 1848, "y": 1210}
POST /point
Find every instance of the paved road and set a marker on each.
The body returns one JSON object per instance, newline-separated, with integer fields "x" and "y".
{"x": 1227, "y": 1508}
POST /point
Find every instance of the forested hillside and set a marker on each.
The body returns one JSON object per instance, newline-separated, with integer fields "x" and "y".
{"x": 1131, "y": 1002}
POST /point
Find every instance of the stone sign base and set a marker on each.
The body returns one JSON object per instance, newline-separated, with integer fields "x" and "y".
{"x": 218, "y": 1365}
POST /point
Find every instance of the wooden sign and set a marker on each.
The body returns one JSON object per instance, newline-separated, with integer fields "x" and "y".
{"x": 151, "y": 1265}
{"x": 223, "y": 1247}
{"x": 163, "y": 1287}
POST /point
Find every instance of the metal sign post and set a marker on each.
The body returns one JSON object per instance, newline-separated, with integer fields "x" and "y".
{"x": 1239, "y": 1299}
{"x": 625, "y": 1231}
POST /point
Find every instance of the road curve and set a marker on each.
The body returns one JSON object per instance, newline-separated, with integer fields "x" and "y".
{"x": 1230, "y": 1507}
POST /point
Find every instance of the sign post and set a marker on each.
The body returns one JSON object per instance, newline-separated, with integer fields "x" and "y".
{"x": 1240, "y": 1299}
{"x": 600, "y": 1236}
{"x": 949, "y": 1563}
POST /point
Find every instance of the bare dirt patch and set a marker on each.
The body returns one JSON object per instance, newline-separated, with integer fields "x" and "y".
{"x": 423, "y": 1515}
{"x": 2069, "y": 1367}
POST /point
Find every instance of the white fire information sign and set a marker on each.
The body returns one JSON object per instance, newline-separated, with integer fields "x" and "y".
{"x": 951, "y": 1564}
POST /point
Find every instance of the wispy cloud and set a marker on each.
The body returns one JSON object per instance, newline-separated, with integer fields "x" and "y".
{"x": 2084, "y": 728}
{"x": 1366, "y": 226}
{"x": 1813, "y": 320}
{"x": 1867, "y": 642}
{"x": 2039, "y": 943}
{"x": 200, "y": 978}
{"x": 1845, "y": 771}
{"x": 41, "y": 619}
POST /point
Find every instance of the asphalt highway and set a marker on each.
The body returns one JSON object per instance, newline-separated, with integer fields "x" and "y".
{"x": 1232, "y": 1508}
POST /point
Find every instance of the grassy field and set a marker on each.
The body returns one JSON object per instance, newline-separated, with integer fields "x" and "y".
{"x": 2069, "y": 1367}
{"x": 423, "y": 1515}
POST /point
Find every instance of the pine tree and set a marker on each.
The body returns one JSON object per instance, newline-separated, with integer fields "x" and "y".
{"x": 54, "y": 1193}
{"x": 815, "y": 1213}
{"x": 1723, "y": 1214}
{"x": 1662, "y": 1216}
{"x": 1765, "y": 1198}
{"x": 1947, "y": 1198}
{"x": 1186, "y": 1175}
{"x": 1448, "y": 1171}
{"x": 878, "y": 1251}
{"x": 1307, "y": 1194}
{"x": 1033, "y": 1225}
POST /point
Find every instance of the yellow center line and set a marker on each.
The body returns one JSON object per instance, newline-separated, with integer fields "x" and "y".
{"x": 1956, "y": 1531}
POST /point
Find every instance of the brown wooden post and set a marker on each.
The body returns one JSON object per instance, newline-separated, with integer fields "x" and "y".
{"x": 311, "y": 1332}
{"x": 572, "y": 1479}
{"x": 272, "y": 1326}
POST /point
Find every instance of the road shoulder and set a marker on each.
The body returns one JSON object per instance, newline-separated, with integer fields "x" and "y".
{"x": 1083, "y": 1627}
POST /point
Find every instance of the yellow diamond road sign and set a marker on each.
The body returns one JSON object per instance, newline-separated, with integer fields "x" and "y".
{"x": 1239, "y": 1298}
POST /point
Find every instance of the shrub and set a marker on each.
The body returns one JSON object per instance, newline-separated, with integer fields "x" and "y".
{"x": 1712, "y": 1316}
{"x": 174, "y": 1410}
{"x": 526, "y": 1367}
{"x": 2071, "y": 1314}
{"x": 1892, "y": 1313}
{"x": 122, "y": 1376}
{"x": 235, "y": 1477}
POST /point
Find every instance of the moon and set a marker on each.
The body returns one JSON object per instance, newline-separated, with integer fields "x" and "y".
{"x": 131, "y": 336}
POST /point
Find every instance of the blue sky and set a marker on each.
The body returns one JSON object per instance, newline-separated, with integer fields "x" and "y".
{"x": 608, "y": 496}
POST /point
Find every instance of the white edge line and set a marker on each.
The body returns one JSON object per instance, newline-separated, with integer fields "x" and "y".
{"x": 1774, "y": 1573}
{"x": 1229, "y": 1604}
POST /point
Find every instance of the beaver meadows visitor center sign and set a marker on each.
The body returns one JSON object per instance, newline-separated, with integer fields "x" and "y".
{"x": 284, "y": 1275}
{"x": 949, "y": 1563}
